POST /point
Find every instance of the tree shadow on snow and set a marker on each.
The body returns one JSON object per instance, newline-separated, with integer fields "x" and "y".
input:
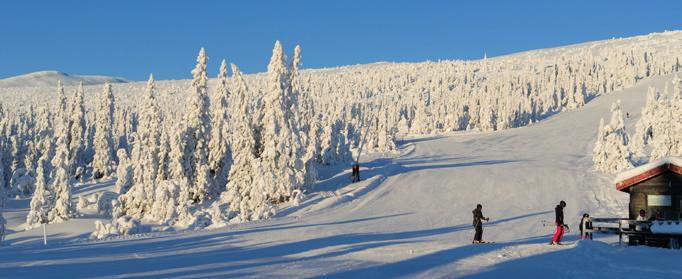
{"x": 223, "y": 254}
{"x": 391, "y": 167}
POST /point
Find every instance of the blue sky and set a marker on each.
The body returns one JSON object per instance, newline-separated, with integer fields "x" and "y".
{"x": 134, "y": 38}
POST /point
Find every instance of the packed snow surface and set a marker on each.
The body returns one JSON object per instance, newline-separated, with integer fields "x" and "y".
{"x": 410, "y": 217}
{"x": 50, "y": 78}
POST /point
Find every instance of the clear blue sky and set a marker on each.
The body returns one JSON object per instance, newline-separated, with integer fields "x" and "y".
{"x": 133, "y": 38}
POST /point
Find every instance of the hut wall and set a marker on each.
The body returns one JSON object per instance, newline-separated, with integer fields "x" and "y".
{"x": 669, "y": 184}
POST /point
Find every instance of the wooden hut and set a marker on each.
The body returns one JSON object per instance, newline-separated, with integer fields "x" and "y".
{"x": 655, "y": 187}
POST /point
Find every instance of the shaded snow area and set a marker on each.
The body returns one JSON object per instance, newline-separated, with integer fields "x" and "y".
{"x": 409, "y": 217}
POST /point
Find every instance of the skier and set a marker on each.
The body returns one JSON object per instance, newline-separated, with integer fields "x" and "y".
{"x": 585, "y": 224}
{"x": 560, "y": 226}
{"x": 478, "y": 224}
{"x": 355, "y": 176}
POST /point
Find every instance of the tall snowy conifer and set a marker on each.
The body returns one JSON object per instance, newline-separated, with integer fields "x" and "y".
{"x": 77, "y": 132}
{"x": 104, "y": 145}
{"x": 281, "y": 163}
{"x": 38, "y": 207}
{"x": 197, "y": 132}
{"x": 242, "y": 172}
{"x": 138, "y": 201}
{"x": 62, "y": 209}
{"x": 219, "y": 147}
{"x": 3, "y": 194}
{"x": 644, "y": 129}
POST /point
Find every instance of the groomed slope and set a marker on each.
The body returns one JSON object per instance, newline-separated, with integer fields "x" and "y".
{"x": 410, "y": 217}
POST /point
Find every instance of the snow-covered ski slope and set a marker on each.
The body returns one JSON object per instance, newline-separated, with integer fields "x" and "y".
{"x": 410, "y": 217}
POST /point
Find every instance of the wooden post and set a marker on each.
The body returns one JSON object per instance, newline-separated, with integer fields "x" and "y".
{"x": 44, "y": 235}
{"x": 620, "y": 233}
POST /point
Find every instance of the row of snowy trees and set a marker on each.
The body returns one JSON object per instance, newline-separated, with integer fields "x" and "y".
{"x": 658, "y": 132}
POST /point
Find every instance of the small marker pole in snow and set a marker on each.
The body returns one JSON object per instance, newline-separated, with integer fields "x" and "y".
{"x": 44, "y": 235}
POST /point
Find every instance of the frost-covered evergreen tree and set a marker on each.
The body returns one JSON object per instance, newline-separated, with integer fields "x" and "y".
{"x": 104, "y": 145}
{"x": 611, "y": 152}
{"x": 665, "y": 128}
{"x": 242, "y": 173}
{"x": 197, "y": 132}
{"x": 149, "y": 137}
{"x": 124, "y": 173}
{"x": 62, "y": 209}
{"x": 3, "y": 196}
{"x": 38, "y": 207}
{"x": 60, "y": 109}
{"x": 305, "y": 120}
{"x": 644, "y": 129}
{"x": 219, "y": 149}
{"x": 281, "y": 157}
{"x": 164, "y": 157}
{"x": 77, "y": 129}
{"x": 137, "y": 201}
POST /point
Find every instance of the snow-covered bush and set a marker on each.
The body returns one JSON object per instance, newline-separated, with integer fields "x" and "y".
{"x": 104, "y": 203}
{"x": 22, "y": 182}
{"x": 103, "y": 230}
{"x": 124, "y": 225}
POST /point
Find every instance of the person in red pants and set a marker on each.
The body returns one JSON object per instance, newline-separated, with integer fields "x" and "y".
{"x": 560, "y": 226}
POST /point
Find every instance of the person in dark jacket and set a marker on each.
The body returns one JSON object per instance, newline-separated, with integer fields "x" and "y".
{"x": 355, "y": 176}
{"x": 478, "y": 224}
{"x": 560, "y": 226}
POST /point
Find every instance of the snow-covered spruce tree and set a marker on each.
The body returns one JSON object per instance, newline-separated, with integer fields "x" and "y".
{"x": 124, "y": 173}
{"x": 599, "y": 152}
{"x": 3, "y": 196}
{"x": 304, "y": 113}
{"x": 138, "y": 200}
{"x": 666, "y": 128}
{"x": 104, "y": 145}
{"x": 644, "y": 130}
{"x": 76, "y": 132}
{"x": 62, "y": 209}
{"x": 164, "y": 157}
{"x": 611, "y": 152}
{"x": 238, "y": 194}
{"x": 149, "y": 137}
{"x": 283, "y": 170}
{"x": 60, "y": 110}
{"x": 676, "y": 105}
{"x": 219, "y": 148}
{"x": 196, "y": 132}
{"x": 38, "y": 207}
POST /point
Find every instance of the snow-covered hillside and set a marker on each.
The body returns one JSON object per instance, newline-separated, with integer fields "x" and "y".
{"x": 50, "y": 78}
{"x": 409, "y": 217}
{"x": 514, "y": 133}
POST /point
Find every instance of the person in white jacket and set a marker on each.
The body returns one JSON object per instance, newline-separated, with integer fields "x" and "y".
{"x": 641, "y": 227}
{"x": 641, "y": 217}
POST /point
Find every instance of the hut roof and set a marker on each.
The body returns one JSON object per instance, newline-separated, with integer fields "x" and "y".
{"x": 631, "y": 177}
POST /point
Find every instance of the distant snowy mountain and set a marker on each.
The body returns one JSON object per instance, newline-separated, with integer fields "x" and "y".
{"x": 50, "y": 78}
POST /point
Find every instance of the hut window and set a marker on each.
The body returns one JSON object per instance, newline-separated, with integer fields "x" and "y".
{"x": 659, "y": 200}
